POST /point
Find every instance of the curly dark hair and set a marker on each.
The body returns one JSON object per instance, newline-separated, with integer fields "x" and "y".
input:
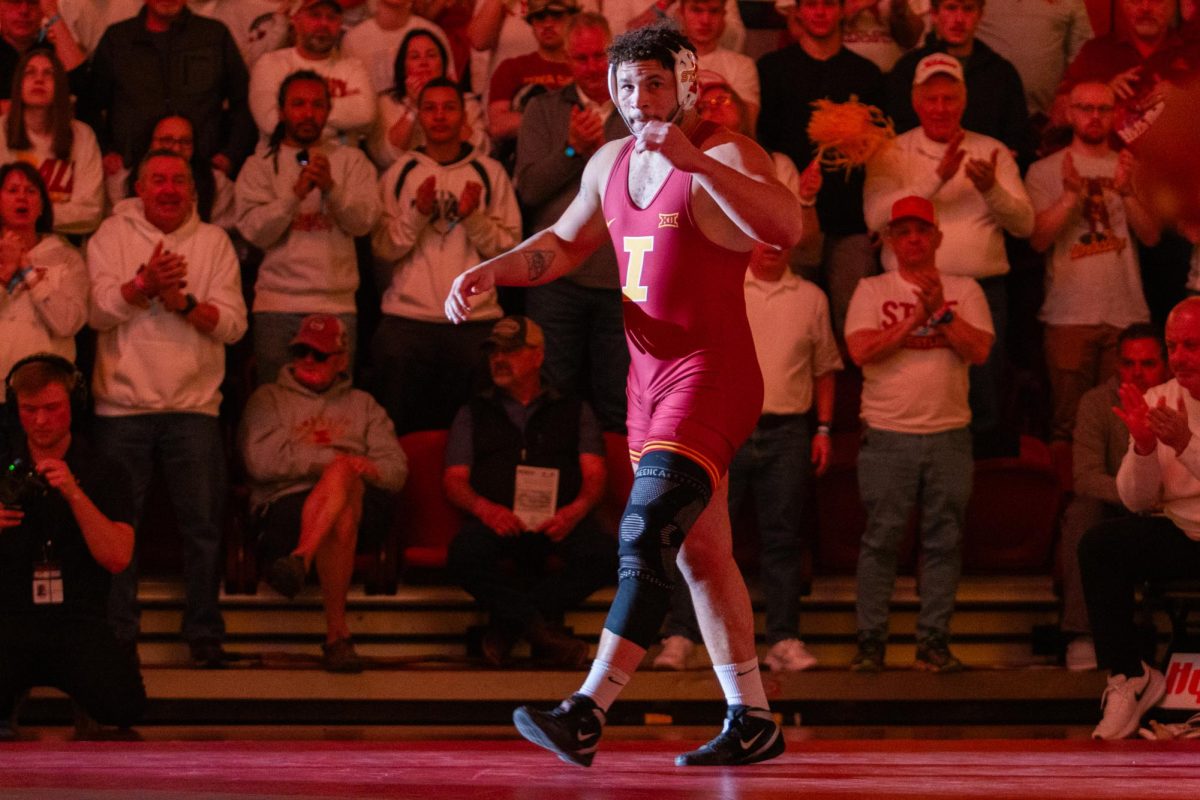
{"x": 658, "y": 42}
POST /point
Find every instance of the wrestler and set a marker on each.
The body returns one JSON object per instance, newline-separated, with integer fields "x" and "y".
{"x": 684, "y": 201}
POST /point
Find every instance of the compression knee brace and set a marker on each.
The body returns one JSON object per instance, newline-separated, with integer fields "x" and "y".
{"x": 669, "y": 492}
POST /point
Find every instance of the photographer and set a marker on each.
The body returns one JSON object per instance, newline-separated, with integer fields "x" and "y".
{"x": 65, "y": 527}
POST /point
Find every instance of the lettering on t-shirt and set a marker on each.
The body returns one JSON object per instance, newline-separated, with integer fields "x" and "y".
{"x": 339, "y": 88}
{"x": 926, "y": 337}
{"x": 1100, "y": 236}
{"x": 321, "y": 430}
{"x": 58, "y": 175}
{"x": 313, "y": 221}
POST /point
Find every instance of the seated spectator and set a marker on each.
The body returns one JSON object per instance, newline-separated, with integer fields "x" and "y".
{"x": 446, "y": 207}
{"x": 527, "y": 465}
{"x": 65, "y": 527}
{"x": 215, "y": 200}
{"x": 1086, "y": 210}
{"x": 1100, "y": 442}
{"x": 518, "y": 79}
{"x": 976, "y": 188}
{"x": 302, "y": 198}
{"x": 818, "y": 66}
{"x": 166, "y": 300}
{"x": 1158, "y": 473}
{"x": 581, "y": 312}
{"x": 703, "y": 23}
{"x": 149, "y": 66}
{"x": 912, "y": 329}
{"x": 22, "y": 29}
{"x": 40, "y": 130}
{"x": 43, "y": 280}
{"x": 797, "y": 354}
{"x": 419, "y": 59}
{"x": 376, "y": 42}
{"x": 318, "y": 24}
{"x": 323, "y": 461}
{"x": 995, "y": 98}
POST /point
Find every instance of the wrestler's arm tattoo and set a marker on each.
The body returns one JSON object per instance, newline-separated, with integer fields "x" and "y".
{"x": 539, "y": 261}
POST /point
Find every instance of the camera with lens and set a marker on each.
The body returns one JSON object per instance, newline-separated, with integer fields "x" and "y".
{"x": 20, "y": 483}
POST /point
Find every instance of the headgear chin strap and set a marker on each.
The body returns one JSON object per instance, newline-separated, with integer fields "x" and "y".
{"x": 687, "y": 84}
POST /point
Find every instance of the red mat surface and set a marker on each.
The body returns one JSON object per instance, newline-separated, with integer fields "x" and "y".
{"x": 879, "y": 770}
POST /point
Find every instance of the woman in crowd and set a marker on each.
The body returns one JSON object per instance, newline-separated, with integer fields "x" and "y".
{"x": 41, "y": 130}
{"x": 420, "y": 59}
{"x": 43, "y": 280}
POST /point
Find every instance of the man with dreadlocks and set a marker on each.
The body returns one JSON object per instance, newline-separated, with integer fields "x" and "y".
{"x": 684, "y": 201}
{"x": 302, "y": 199}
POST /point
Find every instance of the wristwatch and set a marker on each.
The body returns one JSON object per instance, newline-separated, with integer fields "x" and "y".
{"x": 189, "y": 305}
{"x": 944, "y": 318}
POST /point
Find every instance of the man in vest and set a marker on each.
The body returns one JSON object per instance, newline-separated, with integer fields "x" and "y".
{"x": 527, "y": 465}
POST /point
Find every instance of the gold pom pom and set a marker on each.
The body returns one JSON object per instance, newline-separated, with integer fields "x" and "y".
{"x": 848, "y": 134}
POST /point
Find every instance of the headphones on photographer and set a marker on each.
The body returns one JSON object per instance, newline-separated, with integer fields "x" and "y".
{"x": 77, "y": 384}
{"x": 687, "y": 83}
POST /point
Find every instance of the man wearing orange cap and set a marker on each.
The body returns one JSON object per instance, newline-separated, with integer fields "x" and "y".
{"x": 914, "y": 331}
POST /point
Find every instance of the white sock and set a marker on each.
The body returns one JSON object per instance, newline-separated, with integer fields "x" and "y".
{"x": 742, "y": 684}
{"x": 604, "y": 682}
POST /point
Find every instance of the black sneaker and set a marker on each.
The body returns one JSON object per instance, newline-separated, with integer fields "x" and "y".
{"x": 287, "y": 575}
{"x": 870, "y": 655}
{"x": 571, "y": 731}
{"x": 933, "y": 655}
{"x": 750, "y": 735}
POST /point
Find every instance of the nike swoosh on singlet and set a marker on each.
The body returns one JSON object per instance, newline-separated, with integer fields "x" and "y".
{"x": 609, "y": 222}
{"x": 746, "y": 745}
{"x": 614, "y": 680}
{"x": 747, "y": 672}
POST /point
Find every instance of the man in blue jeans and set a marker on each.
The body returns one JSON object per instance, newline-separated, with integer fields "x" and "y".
{"x": 166, "y": 300}
{"x": 915, "y": 332}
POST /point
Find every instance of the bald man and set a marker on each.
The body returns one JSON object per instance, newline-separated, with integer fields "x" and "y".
{"x": 1163, "y": 461}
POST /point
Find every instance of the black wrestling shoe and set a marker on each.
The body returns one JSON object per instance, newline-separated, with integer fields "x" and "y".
{"x": 750, "y": 735}
{"x": 571, "y": 731}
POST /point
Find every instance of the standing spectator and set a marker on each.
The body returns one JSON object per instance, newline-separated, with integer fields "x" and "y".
{"x": 1086, "y": 210}
{"x": 64, "y": 536}
{"x": 420, "y": 58}
{"x": 881, "y": 30}
{"x": 517, "y": 79}
{"x": 625, "y": 15}
{"x": 168, "y": 60}
{"x": 1157, "y": 473}
{"x": 581, "y": 312}
{"x": 703, "y": 24}
{"x": 445, "y": 208}
{"x": 43, "y": 280}
{"x": 318, "y": 24}
{"x": 22, "y": 29}
{"x": 1099, "y": 445}
{"x": 1039, "y": 39}
{"x": 909, "y": 330}
{"x": 995, "y": 97}
{"x": 323, "y": 461}
{"x": 89, "y": 19}
{"x": 166, "y": 300}
{"x": 214, "y": 189}
{"x": 453, "y": 17}
{"x": 258, "y": 26}
{"x": 302, "y": 199}
{"x": 516, "y": 427}
{"x": 798, "y": 356}
{"x": 40, "y": 130}
{"x": 819, "y": 67}
{"x": 976, "y": 188}
{"x": 375, "y": 41}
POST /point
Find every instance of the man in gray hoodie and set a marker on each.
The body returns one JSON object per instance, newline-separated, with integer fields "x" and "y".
{"x": 323, "y": 461}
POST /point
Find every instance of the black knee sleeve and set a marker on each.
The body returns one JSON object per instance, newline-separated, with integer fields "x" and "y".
{"x": 669, "y": 492}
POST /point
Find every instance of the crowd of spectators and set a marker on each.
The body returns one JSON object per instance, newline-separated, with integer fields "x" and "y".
{"x": 332, "y": 166}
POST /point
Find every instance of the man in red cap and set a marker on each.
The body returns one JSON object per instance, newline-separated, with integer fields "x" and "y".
{"x": 322, "y": 459}
{"x": 914, "y": 331}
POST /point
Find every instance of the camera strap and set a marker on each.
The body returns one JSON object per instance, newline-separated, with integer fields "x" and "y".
{"x": 47, "y": 578}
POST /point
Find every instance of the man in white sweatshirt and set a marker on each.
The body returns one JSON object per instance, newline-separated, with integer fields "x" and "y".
{"x": 302, "y": 199}
{"x": 445, "y": 209}
{"x": 973, "y": 183}
{"x": 1160, "y": 473}
{"x": 318, "y": 24}
{"x": 166, "y": 300}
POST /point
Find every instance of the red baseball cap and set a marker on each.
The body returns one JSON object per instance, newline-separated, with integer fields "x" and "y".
{"x": 324, "y": 333}
{"x": 913, "y": 207}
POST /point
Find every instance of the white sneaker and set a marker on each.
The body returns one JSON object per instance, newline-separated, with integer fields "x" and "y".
{"x": 1081, "y": 654}
{"x": 675, "y": 652}
{"x": 1126, "y": 700}
{"x": 789, "y": 655}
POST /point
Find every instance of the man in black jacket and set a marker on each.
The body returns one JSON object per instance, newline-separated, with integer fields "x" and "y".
{"x": 527, "y": 464}
{"x": 168, "y": 60}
